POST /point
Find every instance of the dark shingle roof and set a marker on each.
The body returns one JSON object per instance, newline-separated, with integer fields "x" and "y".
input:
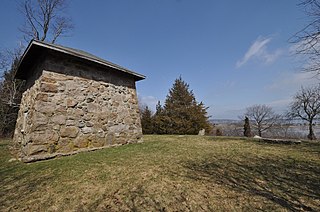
{"x": 36, "y": 46}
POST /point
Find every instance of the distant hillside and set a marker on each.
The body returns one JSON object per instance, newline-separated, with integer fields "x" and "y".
{"x": 283, "y": 121}
{"x": 224, "y": 121}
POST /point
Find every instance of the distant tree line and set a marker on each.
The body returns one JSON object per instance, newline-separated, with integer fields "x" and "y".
{"x": 180, "y": 114}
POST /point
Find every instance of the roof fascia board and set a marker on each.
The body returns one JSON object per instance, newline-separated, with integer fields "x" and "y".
{"x": 25, "y": 53}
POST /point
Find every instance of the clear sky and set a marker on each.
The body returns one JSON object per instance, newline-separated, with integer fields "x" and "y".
{"x": 232, "y": 53}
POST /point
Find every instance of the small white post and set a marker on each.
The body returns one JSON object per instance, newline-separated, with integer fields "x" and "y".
{"x": 25, "y": 114}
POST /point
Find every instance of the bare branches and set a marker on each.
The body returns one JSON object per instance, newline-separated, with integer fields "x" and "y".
{"x": 7, "y": 58}
{"x": 10, "y": 94}
{"x": 263, "y": 117}
{"x": 306, "y": 105}
{"x": 4, "y": 61}
{"x": 61, "y": 27}
{"x": 10, "y": 88}
{"x": 307, "y": 40}
{"x": 45, "y": 20}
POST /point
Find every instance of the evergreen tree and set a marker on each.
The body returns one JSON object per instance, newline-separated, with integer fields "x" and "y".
{"x": 246, "y": 127}
{"x": 146, "y": 121}
{"x": 182, "y": 114}
{"x": 218, "y": 132}
{"x": 160, "y": 120}
{"x": 159, "y": 109}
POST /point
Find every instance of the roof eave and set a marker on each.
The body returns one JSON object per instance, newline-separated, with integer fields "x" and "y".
{"x": 111, "y": 65}
{"x": 136, "y": 76}
{"x": 17, "y": 73}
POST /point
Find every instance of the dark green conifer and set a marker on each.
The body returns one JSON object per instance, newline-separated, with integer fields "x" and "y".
{"x": 246, "y": 127}
{"x": 146, "y": 121}
{"x": 182, "y": 113}
{"x": 160, "y": 120}
{"x": 218, "y": 132}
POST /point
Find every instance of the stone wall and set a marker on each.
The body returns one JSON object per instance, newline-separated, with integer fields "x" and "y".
{"x": 72, "y": 107}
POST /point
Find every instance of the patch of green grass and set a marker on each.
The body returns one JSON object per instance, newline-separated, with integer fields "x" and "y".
{"x": 168, "y": 173}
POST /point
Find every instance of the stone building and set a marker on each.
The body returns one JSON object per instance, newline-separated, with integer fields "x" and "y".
{"x": 73, "y": 102}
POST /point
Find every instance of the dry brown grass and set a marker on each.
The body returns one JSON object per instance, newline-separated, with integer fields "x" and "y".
{"x": 168, "y": 173}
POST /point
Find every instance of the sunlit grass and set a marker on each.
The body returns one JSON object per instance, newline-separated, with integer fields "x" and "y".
{"x": 168, "y": 173}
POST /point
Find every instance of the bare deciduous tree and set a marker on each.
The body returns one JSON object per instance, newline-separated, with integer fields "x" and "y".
{"x": 45, "y": 20}
{"x": 307, "y": 40}
{"x": 10, "y": 92}
{"x": 4, "y": 62}
{"x": 263, "y": 117}
{"x": 306, "y": 105}
{"x": 9, "y": 87}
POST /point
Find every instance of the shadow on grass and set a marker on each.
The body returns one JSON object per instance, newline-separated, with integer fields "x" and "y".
{"x": 18, "y": 185}
{"x": 291, "y": 184}
{"x": 137, "y": 199}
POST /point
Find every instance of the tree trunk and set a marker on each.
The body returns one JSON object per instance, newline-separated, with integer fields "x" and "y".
{"x": 259, "y": 132}
{"x": 311, "y": 135}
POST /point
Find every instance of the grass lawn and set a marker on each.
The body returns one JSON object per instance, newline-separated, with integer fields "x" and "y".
{"x": 168, "y": 173}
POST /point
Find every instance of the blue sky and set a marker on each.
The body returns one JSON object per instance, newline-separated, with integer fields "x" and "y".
{"x": 232, "y": 53}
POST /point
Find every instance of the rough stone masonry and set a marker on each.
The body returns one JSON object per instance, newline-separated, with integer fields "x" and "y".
{"x": 73, "y": 102}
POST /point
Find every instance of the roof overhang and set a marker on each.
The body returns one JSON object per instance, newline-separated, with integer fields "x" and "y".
{"x": 37, "y": 48}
